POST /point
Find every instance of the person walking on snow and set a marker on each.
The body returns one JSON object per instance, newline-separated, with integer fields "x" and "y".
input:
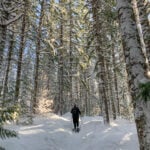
{"x": 75, "y": 116}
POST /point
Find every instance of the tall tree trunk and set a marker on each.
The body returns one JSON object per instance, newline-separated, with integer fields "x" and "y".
{"x": 61, "y": 86}
{"x": 21, "y": 49}
{"x": 61, "y": 69}
{"x": 112, "y": 97}
{"x": 116, "y": 83}
{"x": 3, "y": 30}
{"x": 137, "y": 18}
{"x": 37, "y": 61}
{"x": 135, "y": 63}
{"x": 70, "y": 51}
{"x": 101, "y": 101}
{"x": 107, "y": 84}
{"x": 86, "y": 93}
{"x": 8, "y": 15}
{"x": 9, "y": 55}
{"x": 143, "y": 6}
{"x": 96, "y": 7}
{"x": 103, "y": 85}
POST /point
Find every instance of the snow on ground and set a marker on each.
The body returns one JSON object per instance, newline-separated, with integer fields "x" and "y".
{"x": 52, "y": 132}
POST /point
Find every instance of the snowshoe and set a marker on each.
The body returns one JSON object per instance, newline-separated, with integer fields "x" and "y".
{"x": 74, "y": 130}
{"x": 78, "y": 129}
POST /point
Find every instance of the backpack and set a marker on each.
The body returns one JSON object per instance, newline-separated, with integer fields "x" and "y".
{"x": 74, "y": 111}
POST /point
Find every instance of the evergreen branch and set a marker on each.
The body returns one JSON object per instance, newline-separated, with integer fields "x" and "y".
{"x": 144, "y": 91}
{"x": 5, "y": 133}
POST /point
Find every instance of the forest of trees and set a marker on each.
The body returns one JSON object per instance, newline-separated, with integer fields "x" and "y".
{"x": 95, "y": 53}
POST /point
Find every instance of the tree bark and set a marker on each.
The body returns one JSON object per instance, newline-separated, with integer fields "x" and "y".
{"x": 37, "y": 61}
{"x": 143, "y": 6}
{"x": 116, "y": 84}
{"x": 6, "y": 18}
{"x": 112, "y": 97}
{"x": 61, "y": 82}
{"x": 21, "y": 49}
{"x": 70, "y": 52}
{"x": 135, "y": 63}
{"x": 9, "y": 55}
{"x": 3, "y": 30}
{"x": 61, "y": 69}
{"x": 96, "y": 7}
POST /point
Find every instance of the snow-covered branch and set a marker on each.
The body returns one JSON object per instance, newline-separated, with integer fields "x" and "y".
{"x": 8, "y": 22}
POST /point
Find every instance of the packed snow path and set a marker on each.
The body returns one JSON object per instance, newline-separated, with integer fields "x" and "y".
{"x": 52, "y": 132}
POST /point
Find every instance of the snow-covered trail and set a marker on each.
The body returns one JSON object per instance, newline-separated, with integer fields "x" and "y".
{"x": 52, "y": 132}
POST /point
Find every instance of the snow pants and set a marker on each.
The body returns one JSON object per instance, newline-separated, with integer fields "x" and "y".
{"x": 76, "y": 122}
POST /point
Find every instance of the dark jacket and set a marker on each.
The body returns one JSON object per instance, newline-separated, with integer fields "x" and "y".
{"x": 75, "y": 112}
